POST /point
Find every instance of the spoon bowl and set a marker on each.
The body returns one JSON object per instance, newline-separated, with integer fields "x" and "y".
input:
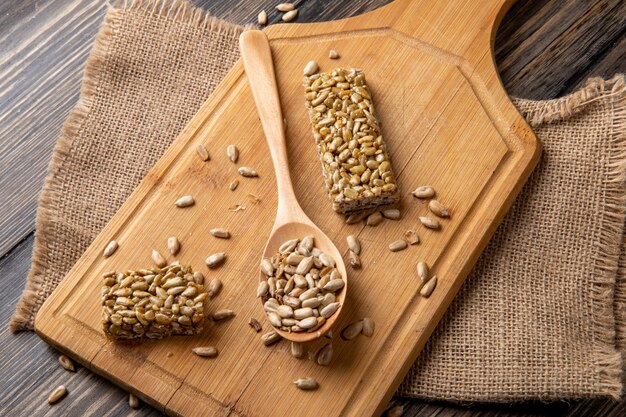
{"x": 291, "y": 221}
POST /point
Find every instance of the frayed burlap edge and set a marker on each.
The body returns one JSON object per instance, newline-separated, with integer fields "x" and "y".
{"x": 33, "y": 296}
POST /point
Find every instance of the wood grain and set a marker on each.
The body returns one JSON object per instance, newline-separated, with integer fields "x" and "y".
{"x": 448, "y": 123}
{"x": 57, "y": 61}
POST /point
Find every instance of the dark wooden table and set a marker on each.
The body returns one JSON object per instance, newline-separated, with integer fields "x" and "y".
{"x": 544, "y": 49}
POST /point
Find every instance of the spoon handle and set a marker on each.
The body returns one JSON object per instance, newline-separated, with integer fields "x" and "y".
{"x": 257, "y": 61}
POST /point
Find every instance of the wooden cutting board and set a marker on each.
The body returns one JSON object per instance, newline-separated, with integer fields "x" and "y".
{"x": 448, "y": 123}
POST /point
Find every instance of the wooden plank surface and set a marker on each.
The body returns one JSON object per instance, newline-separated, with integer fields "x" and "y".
{"x": 26, "y": 362}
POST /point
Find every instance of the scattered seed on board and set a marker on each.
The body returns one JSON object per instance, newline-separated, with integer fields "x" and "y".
{"x": 221, "y": 233}
{"x": 332, "y": 54}
{"x": 374, "y": 219}
{"x": 223, "y": 314}
{"x": 67, "y": 363}
{"x": 297, "y": 350}
{"x": 270, "y": 338}
{"x": 425, "y": 191}
{"x": 306, "y": 384}
{"x": 325, "y": 355}
{"x": 215, "y": 260}
{"x": 262, "y": 18}
{"x": 158, "y": 259}
{"x": 396, "y": 411}
{"x": 393, "y": 214}
{"x": 247, "y": 172}
{"x": 354, "y": 218}
{"x": 368, "y": 327}
{"x": 233, "y": 185}
{"x": 422, "y": 271}
{"x": 353, "y": 244}
{"x": 352, "y": 330}
{"x": 290, "y": 15}
{"x": 202, "y": 153}
{"x": 233, "y": 153}
{"x": 355, "y": 260}
{"x": 285, "y": 7}
{"x": 133, "y": 401}
{"x": 110, "y": 249}
{"x": 438, "y": 209}
{"x": 411, "y": 237}
{"x": 429, "y": 222}
{"x": 398, "y": 245}
{"x": 205, "y": 351}
{"x": 310, "y": 68}
{"x": 215, "y": 286}
{"x": 428, "y": 288}
{"x": 185, "y": 201}
{"x": 173, "y": 245}
{"x": 198, "y": 277}
{"x": 169, "y": 354}
{"x": 254, "y": 323}
{"x": 57, "y": 394}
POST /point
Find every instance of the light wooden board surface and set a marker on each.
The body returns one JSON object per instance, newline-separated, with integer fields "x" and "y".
{"x": 448, "y": 123}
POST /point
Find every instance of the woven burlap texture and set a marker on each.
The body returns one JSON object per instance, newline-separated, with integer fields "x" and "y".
{"x": 540, "y": 317}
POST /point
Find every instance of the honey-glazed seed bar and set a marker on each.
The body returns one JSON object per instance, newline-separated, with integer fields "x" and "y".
{"x": 355, "y": 163}
{"x": 152, "y": 303}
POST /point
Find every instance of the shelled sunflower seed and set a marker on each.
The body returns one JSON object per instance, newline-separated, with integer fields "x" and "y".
{"x": 205, "y": 351}
{"x": 221, "y": 233}
{"x": 215, "y": 260}
{"x": 393, "y": 214}
{"x": 306, "y": 384}
{"x": 368, "y": 327}
{"x": 424, "y": 191}
{"x": 296, "y": 286}
{"x": 332, "y": 54}
{"x": 398, "y": 245}
{"x": 374, "y": 219}
{"x": 429, "y": 287}
{"x": 290, "y": 15}
{"x": 214, "y": 287}
{"x": 270, "y": 338}
{"x": 396, "y": 411}
{"x": 352, "y": 330}
{"x": 158, "y": 259}
{"x": 110, "y": 249}
{"x": 185, "y": 201}
{"x": 152, "y": 303}
{"x": 57, "y": 394}
{"x": 223, "y": 315}
{"x": 354, "y": 259}
{"x": 297, "y": 350}
{"x": 285, "y": 7}
{"x": 247, "y": 172}
{"x": 233, "y": 153}
{"x": 310, "y": 68}
{"x": 233, "y": 185}
{"x": 202, "y": 152}
{"x": 133, "y": 401}
{"x": 325, "y": 355}
{"x": 411, "y": 237}
{"x": 429, "y": 222}
{"x": 254, "y": 323}
{"x": 67, "y": 363}
{"x": 422, "y": 271}
{"x": 353, "y": 244}
{"x": 262, "y": 18}
{"x": 173, "y": 245}
{"x": 355, "y": 163}
{"x": 438, "y": 209}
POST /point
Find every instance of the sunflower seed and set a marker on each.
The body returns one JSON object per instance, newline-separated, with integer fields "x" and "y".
{"x": 305, "y": 266}
{"x": 254, "y": 323}
{"x": 306, "y": 384}
{"x": 429, "y": 222}
{"x": 133, "y": 401}
{"x": 285, "y": 7}
{"x": 327, "y": 260}
{"x": 398, "y": 245}
{"x": 57, "y": 394}
{"x": 233, "y": 153}
{"x": 393, "y": 214}
{"x": 424, "y": 191}
{"x": 198, "y": 277}
{"x": 158, "y": 259}
{"x": 67, "y": 363}
{"x": 374, "y": 219}
{"x": 303, "y": 313}
{"x": 288, "y": 246}
{"x": 295, "y": 259}
{"x": 334, "y": 285}
{"x": 297, "y": 350}
{"x": 274, "y": 319}
{"x": 215, "y": 260}
{"x": 270, "y": 338}
{"x": 185, "y": 201}
{"x": 308, "y": 323}
{"x": 310, "y": 68}
{"x": 221, "y": 233}
{"x": 368, "y": 327}
{"x": 428, "y": 288}
{"x": 173, "y": 245}
{"x": 411, "y": 237}
{"x": 267, "y": 268}
{"x": 330, "y": 309}
{"x": 355, "y": 260}
{"x": 328, "y": 298}
{"x": 422, "y": 271}
{"x": 311, "y": 303}
{"x": 325, "y": 355}
{"x": 353, "y": 244}
{"x": 205, "y": 351}
{"x": 285, "y": 311}
{"x": 247, "y": 172}
{"x": 223, "y": 314}
{"x": 262, "y": 289}
{"x": 262, "y": 18}
{"x": 290, "y": 15}
{"x": 396, "y": 411}
{"x": 215, "y": 286}
{"x": 352, "y": 330}
{"x": 233, "y": 185}
{"x": 110, "y": 249}
{"x": 202, "y": 153}
{"x": 332, "y": 54}
{"x": 354, "y": 218}
{"x": 438, "y": 209}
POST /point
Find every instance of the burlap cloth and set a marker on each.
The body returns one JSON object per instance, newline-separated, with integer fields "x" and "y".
{"x": 542, "y": 314}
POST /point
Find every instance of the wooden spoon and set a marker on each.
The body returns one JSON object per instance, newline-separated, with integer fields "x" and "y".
{"x": 291, "y": 222}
